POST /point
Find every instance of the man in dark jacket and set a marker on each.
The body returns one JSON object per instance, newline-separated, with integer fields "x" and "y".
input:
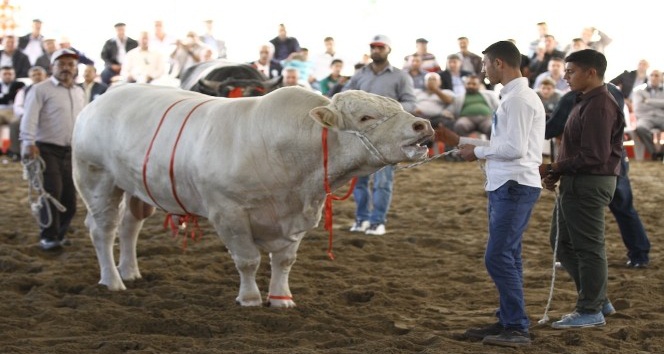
{"x": 114, "y": 51}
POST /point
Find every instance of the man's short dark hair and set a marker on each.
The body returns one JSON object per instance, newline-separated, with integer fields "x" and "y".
{"x": 505, "y": 51}
{"x": 587, "y": 59}
{"x": 334, "y": 61}
{"x": 6, "y": 67}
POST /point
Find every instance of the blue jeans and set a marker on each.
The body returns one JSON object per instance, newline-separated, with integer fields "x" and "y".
{"x": 380, "y": 197}
{"x": 631, "y": 229}
{"x": 509, "y": 210}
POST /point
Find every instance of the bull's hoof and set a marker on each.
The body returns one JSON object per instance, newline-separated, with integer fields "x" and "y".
{"x": 280, "y": 303}
{"x": 113, "y": 286}
{"x": 248, "y": 302}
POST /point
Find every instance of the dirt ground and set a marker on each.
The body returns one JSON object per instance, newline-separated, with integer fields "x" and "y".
{"x": 414, "y": 290}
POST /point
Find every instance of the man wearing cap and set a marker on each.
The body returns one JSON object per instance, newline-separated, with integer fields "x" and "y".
{"x": 114, "y": 51}
{"x": 429, "y": 62}
{"x": 381, "y": 78}
{"x": 47, "y": 126}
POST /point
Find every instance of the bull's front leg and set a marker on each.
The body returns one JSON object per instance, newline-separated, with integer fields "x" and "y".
{"x": 281, "y": 263}
{"x": 245, "y": 253}
{"x": 135, "y": 211}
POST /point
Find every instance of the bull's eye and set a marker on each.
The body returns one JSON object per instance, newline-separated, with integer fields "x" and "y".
{"x": 366, "y": 118}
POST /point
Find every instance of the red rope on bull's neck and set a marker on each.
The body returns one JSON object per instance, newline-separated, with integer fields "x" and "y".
{"x": 329, "y": 196}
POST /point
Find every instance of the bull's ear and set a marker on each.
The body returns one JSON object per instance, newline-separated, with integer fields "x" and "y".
{"x": 327, "y": 117}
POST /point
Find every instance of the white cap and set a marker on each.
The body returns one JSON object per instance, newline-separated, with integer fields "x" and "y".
{"x": 381, "y": 39}
{"x": 63, "y": 53}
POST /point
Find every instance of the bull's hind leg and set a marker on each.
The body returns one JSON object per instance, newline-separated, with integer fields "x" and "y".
{"x": 246, "y": 255}
{"x": 102, "y": 198}
{"x": 135, "y": 211}
{"x": 281, "y": 262}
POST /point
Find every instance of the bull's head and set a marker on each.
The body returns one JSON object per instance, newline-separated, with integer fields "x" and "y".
{"x": 391, "y": 134}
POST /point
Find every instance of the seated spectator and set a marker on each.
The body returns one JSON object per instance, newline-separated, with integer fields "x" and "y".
{"x": 335, "y": 78}
{"x": 549, "y": 95}
{"x": 283, "y": 44}
{"x": 429, "y": 62}
{"x": 291, "y": 77}
{"x": 113, "y": 53}
{"x": 12, "y": 56}
{"x": 9, "y": 87}
{"x": 339, "y": 87}
{"x": 91, "y": 87}
{"x": 416, "y": 72}
{"x": 649, "y": 111}
{"x": 556, "y": 73}
{"x": 453, "y": 76}
{"x": 36, "y": 74}
{"x": 474, "y": 109}
{"x": 142, "y": 64}
{"x": 627, "y": 81}
{"x": 300, "y": 60}
{"x": 266, "y": 64}
{"x": 187, "y": 53}
{"x": 433, "y": 103}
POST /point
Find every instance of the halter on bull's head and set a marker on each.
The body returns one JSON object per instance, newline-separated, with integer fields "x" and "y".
{"x": 389, "y": 133}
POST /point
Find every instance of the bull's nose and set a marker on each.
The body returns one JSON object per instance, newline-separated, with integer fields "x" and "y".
{"x": 422, "y": 126}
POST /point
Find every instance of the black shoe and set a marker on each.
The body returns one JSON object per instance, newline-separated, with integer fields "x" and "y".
{"x": 481, "y": 332}
{"x": 508, "y": 338}
{"x": 641, "y": 265}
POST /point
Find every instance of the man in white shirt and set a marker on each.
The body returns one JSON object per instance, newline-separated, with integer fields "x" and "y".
{"x": 513, "y": 156}
{"x": 142, "y": 65}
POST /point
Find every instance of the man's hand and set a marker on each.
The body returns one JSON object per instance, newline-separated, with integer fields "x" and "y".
{"x": 467, "y": 152}
{"x": 544, "y": 170}
{"x": 550, "y": 182}
{"x": 30, "y": 152}
{"x": 447, "y": 136}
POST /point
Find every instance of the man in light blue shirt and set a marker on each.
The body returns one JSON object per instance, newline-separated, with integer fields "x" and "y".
{"x": 381, "y": 78}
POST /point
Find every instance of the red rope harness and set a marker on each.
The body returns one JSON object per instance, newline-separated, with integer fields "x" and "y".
{"x": 187, "y": 217}
{"x": 329, "y": 196}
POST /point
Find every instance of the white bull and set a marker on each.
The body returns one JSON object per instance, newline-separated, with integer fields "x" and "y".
{"x": 252, "y": 166}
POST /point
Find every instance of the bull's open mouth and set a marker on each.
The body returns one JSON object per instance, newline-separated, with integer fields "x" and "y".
{"x": 417, "y": 149}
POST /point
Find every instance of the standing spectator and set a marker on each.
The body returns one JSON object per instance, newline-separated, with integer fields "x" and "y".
{"x": 628, "y": 80}
{"x": 283, "y": 44}
{"x": 114, "y": 51}
{"x": 187, "y": 53}
{"x": 622, "y": 205}
{"x": 649, "y": 112}
{"x": 513, "y": 155}
{"x": 266, "y": 64}
{"x": 142, "y": 64}
{"x": 217, "y": 46}
{"x": 587, "y": 167}
{"x": 380, "y": 78}
{"x": 47, "y": 127}
{"x": 470, "y": 61}
{"x": 31, "y": 44}
{"x": 11, "y": 56}
{"x": 65, "y": 43}
{"x": 429, "y": 62}
{"x": 599, "y": 45}
{"x": 91, "y": 87}
{"x": 335, "y": 77}
{"x": 163, "y": 43}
